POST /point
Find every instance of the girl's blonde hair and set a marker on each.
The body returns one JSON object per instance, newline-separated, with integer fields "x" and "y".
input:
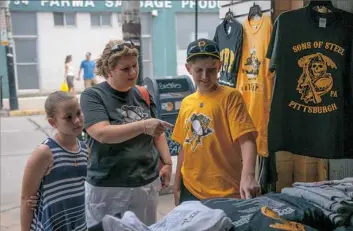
{"x": 108, "y": 60}
{"x": 53, "y": 100}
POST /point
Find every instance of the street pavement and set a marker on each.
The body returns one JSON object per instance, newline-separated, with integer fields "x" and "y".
{"x": 18, "y": 138}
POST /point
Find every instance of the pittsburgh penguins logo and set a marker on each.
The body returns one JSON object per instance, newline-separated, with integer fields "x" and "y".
{"x": 198, "y": 126}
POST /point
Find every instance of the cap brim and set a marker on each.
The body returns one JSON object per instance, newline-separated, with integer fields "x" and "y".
{"x": 202, "y": 54}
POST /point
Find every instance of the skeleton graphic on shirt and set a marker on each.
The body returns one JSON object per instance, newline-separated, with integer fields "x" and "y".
{"x": 315, "y": 81}
{"x": 198, "y": 127}
{"x": 132, "y": 113}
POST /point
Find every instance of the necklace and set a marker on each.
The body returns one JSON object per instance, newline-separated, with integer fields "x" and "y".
{"x": 75, "y": 164}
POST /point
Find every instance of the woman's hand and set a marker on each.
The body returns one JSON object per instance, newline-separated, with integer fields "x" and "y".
{"x": 165, "y": 175}
{"x": 155, "y": 127}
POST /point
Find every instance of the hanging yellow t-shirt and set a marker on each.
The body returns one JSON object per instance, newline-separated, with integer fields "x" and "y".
{"x": 208, "y": 128}
{"x": 255, "y": 81}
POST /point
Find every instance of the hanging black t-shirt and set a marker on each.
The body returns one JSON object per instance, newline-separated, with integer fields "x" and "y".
{"x": 229, "y": 37}
{"x": 242, "y": 212}
{"x": 311, "y": 110}
{"x": 132, "y": 163}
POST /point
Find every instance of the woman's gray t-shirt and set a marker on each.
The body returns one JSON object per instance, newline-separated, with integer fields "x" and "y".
{"x": 132, "y": 163}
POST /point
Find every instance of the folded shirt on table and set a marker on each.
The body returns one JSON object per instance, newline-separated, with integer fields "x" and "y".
{"x": 189, "y": 216}
{"x": 286, "y": 206}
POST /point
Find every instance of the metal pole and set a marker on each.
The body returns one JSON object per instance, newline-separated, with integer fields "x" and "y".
{"x": 1, "y": 93}
{"x": 196, "y": 18}
{"x": 131, "y": 25}
{"x": 7, "y": 41}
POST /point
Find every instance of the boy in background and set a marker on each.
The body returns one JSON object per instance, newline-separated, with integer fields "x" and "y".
{"x": 217, "y": 137}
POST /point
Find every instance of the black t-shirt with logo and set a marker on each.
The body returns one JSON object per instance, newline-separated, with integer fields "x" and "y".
{"x": 312, "y": 106}
{"x": 132, "y": 163}
{"x": 246, "y": 215}
{"x": 268, "y": 220}
{"x": 229, "y": 37}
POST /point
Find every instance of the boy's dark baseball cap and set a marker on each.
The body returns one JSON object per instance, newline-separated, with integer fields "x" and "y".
{"x": 202, "y": 47}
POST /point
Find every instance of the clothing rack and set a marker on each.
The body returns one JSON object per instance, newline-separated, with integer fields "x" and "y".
{"x": 235, "y": 3}
{"x": 246, "y": 14}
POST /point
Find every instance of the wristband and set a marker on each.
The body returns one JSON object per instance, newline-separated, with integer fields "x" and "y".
{"x": 168, "y": 163}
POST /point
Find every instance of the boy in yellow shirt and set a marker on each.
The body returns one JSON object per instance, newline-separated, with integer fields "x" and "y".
{"x": 217, "y": 137}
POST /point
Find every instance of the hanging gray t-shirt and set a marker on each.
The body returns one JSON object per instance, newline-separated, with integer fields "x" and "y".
{"x": 132, "y": 163}
{"x": 229, "y": 37}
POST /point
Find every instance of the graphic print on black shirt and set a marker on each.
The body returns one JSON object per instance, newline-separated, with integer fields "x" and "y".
{"x": 316, "y": 83}
{"x": 132, "y": 113}
{"x": 312, "y": 98}
{"x": 229, "y": 37}
{"x": 268, "y": 220}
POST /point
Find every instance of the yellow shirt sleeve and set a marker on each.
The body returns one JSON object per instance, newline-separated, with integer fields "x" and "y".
{"x": 239, "y": 119}
{"x": 179, "y": 131}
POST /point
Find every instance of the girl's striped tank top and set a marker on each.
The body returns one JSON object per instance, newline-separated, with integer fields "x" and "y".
{"x": 62, "y": 192}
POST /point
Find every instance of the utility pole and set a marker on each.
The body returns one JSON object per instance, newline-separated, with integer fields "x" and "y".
{"x": 196, "y": 19}
{"x": 7, "y": 41}
{"x": 131, "y": 25}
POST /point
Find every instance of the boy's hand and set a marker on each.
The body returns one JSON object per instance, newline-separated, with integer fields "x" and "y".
{"x": 176, "y": 193}
{"x": 249, "y": 187}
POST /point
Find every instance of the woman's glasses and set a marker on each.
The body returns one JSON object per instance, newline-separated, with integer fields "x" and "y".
{"x": 120, "y": 47}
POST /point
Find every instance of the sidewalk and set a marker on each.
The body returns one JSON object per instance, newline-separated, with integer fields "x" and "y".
{"x": 27, "y": 106}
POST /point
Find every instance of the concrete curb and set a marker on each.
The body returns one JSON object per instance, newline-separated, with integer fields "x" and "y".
{"x": 27, "y": 112}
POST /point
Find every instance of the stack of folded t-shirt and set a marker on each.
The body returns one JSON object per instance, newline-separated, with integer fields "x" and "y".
{"x": 334, "y": 198}
{"x": 282, "y": 211}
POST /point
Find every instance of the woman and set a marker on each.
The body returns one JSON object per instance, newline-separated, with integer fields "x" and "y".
{"x": 69, "y": 74}
{"x": 126, "y": 140}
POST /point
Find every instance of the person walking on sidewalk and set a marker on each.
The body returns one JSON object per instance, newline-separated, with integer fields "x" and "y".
{"x": 88, "y": 67}
{"x": 217, "y": 136}
{"x": 56, "y": 172}
{"x": 69, "y": 74}
{"x": 125, "y": 138}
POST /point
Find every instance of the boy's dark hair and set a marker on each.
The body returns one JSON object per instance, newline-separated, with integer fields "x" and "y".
{"x": 200, "y": 57}
{"x": 53, "y": 100}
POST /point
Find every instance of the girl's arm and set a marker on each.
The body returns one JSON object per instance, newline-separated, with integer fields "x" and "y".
{"x": 36, "y": 168}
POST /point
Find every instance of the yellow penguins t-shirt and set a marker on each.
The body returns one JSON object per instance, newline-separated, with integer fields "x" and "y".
{"x": 208, "y": 128}
{"x": 255, "y": 81}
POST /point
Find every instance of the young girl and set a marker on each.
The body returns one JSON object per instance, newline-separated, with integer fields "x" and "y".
{"x": 56, "y": 171}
